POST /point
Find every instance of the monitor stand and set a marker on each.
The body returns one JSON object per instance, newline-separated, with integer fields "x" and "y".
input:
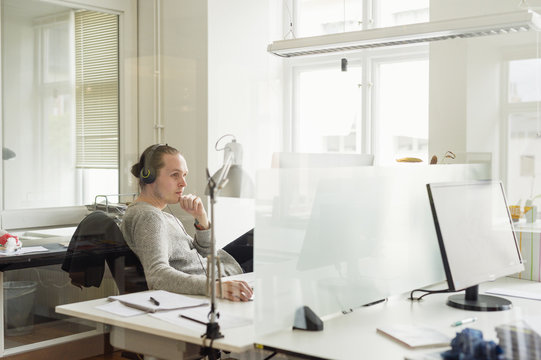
{"x": 471, "y": 300}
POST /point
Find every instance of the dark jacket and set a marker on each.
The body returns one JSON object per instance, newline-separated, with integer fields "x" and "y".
{"x": 96, "y": 241}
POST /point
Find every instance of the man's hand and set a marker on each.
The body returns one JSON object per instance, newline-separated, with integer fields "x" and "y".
{"x": 194, "y": 206}
{"x": 235, "y": 290}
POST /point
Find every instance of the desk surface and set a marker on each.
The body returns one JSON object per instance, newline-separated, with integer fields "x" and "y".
{"x": 238, "y": 339}
{"x": 355, "y": 333}
{"x": 55, "y": 255}
{"x": 344, "y": 335}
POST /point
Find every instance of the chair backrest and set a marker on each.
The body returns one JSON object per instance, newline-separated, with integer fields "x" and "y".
{"x": 97, "y": 241}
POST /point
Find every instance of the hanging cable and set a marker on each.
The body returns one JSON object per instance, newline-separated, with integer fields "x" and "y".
{"x": 290, "y": 20}
{"x": 537, "y": 79}
{"x": 344, "y": 2}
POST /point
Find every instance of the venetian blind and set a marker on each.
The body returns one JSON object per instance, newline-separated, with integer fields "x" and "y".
{"x": 96, "y": 81}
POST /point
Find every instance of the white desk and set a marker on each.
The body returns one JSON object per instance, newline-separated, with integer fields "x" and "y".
{"x": 151, "y": 336}
{"x": 354, "y": 335}
{"x": 345, "y": 336}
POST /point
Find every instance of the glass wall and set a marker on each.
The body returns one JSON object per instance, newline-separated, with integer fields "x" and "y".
{"x": 335, "y": 239}
{"x": 60, "y": 120}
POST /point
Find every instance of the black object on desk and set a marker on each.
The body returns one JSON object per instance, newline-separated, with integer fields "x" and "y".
{"x": 306, "y": 319}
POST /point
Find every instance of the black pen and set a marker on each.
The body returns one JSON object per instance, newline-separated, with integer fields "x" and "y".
{"x": 154, "y": 301}
{"x": 192, "y": 319}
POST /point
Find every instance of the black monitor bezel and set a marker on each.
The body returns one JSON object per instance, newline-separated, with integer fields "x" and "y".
{"x": 445, "y": 260}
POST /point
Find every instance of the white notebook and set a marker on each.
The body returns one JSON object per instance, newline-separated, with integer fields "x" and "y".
{"x": 156, "y": 300}
{"x": 415, "y": 336}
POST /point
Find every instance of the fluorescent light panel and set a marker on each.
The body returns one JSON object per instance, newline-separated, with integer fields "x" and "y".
{"x": 409, "y": 34}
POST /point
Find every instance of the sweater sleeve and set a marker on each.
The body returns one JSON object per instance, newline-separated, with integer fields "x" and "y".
{"x": 202, "y": 242}
{"x": 150, "y": 243}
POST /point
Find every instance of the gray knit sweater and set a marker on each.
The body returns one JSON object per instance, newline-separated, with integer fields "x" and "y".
{"x": 171, "y": 259}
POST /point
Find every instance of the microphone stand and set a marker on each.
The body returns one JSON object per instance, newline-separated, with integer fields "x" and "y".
{"x": 213, "y": 328}
{"x": 214, "y": 186}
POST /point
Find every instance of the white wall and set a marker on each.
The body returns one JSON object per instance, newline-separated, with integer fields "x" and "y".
{"x": 173, "y": 83}
{"x": 466, "y": 84}
{"x": 244, "y": 97}
{"x": 205, "y": 72}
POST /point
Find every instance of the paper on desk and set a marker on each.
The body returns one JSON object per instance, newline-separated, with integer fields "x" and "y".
{"x": 117, "y": 308}
{"x": 24, "y": 250}
{"x": 167, "y": 300}
{"x": 415, "y": 336}
{"x": 226, "y": 320}
{"x": 515, "y": 293}
{"x": 31, "y": 249}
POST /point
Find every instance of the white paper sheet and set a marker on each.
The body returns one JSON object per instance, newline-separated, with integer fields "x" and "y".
{"x": 117, "y": 308}
{"x": 166, "y": 300}
{"x": 226, "y": 320}
{"x": 24, "y": 250}
{"x": 415, "y": 336}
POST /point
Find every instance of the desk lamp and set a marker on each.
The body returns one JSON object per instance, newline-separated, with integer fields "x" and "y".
{"x": 230, "y": 181}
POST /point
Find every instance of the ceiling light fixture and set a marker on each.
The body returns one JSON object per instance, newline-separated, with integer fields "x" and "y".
{"x": 502, "y": 23}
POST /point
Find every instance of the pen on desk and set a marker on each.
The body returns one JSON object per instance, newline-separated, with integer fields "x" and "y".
{"x": 192, "y": 319}
{"x": 154, "y": 301}
{"x": 465, "y": 321}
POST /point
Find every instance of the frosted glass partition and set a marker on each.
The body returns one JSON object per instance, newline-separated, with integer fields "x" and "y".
{"x": 335, "y": 239}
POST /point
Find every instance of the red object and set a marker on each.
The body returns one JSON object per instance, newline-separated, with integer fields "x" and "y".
{"x": 4, "y": 239}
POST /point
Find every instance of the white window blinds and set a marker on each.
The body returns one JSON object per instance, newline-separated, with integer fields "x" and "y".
{"x": 97, "y": 108}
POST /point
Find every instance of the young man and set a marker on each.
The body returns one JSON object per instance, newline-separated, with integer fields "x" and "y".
{"x": 173, "y": 260}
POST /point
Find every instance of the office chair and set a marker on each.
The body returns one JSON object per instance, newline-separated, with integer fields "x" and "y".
{"x": 97, "y": 241}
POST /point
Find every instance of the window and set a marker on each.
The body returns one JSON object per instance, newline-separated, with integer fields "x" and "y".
{"x": 368, "y": 108}
{"x": 61, "y": 101}
{"x": 320, "y": 17}
{"x": 96, "y": 74}
{"x": 329, "y": 110}
{"x": 523, "y": 129}
{"x": 399, "y": 12}
{"x": 402, "y": 110}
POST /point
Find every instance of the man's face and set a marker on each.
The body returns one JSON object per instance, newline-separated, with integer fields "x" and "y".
{"x": 171, "y": 179}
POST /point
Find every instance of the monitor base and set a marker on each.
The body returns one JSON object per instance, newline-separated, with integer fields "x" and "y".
{"x": 482, "y": 303}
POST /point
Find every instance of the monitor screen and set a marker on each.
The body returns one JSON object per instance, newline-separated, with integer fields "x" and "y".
{"x": 476, "y": 238}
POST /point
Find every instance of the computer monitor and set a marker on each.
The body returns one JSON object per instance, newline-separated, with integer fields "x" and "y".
{"x": 476, "y": 238}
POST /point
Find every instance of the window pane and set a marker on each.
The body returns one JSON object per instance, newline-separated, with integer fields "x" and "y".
{"x": 318, "y": 17}
{"x": 402, "y": 121}
{"x": 401, "y": 12}
{"x": 523, "y": 160}
{"x": 56, "y": 51}
{"x": 329, "y": 106}
{"x": 38, "y": 118}
{"x": 524, "y": 80}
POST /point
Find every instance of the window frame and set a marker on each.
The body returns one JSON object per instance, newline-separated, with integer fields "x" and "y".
{"x": 128, "y": 120}
{"x": 369, "y": 61}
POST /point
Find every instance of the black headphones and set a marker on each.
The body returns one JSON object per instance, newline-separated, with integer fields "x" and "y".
{"x": 148, "y": 173}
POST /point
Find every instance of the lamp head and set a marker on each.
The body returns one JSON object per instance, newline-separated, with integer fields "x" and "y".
{"x": 231, "y": 180}
{"x": 233, "y": 149}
